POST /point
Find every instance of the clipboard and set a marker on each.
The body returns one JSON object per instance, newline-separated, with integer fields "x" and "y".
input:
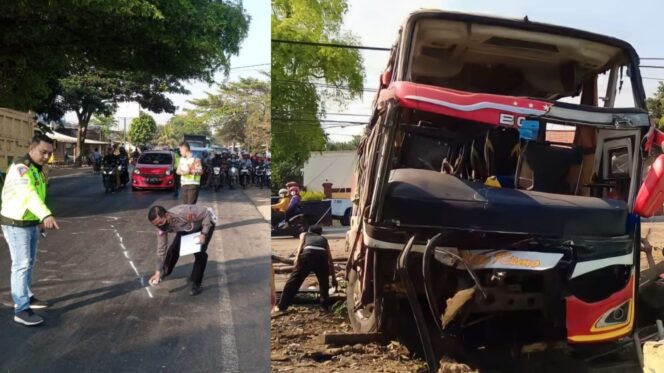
{"x": 188, "y": 244}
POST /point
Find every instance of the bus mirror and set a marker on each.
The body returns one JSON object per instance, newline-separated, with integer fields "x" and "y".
{"x": 651, "y": 195}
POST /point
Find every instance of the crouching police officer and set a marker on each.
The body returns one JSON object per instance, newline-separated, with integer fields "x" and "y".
{"x": 182, "y": 219}
{"x": 24, "y": 215}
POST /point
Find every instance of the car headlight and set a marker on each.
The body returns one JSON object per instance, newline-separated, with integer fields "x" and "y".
{"x": 168, "y": 172}
{"x": 137, "y": 171}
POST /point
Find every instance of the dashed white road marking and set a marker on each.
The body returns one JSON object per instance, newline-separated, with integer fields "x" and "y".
{"x": 131, "y": 262}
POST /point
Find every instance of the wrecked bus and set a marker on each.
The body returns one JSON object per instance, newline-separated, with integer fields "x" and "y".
{"x": 471, "y": 217}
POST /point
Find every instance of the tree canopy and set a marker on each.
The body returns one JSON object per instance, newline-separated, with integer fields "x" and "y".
{"x": 656, "y": 105}
{"x": 179, "y": 125}
{"x": 143, "y": 129}
{"x": 106, "y": 123}
{"x": 89, "y": 91}
{"x": 240, "y": 112}
{"x": 346, "y": 145}
{"x": 304, "y": 77}
{"x": 164, "y": 39}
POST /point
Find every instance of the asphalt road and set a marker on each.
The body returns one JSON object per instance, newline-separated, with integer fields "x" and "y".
{"x": 107, "y": 318}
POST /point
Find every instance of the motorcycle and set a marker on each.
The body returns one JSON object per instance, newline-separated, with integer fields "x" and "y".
{"x": 109, "y": 177}
{"x": 297, "y": 224}
{"x": 260, "y": 176}
{"x": 233, "y": 175}
{"x": 268, "y": 176}
{"x": 124, "y": 171}
{"x": 217, "y": 179}
{"x": 245, "y": 176}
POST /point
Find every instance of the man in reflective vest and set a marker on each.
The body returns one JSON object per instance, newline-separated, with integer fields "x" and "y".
{"x": 190, "y": 170}
{"x": 24, "y": 216}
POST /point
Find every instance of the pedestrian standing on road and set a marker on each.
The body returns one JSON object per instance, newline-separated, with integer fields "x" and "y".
{"x": 24, "y": 216}
{"x": 182, "y": 219}
{"x": 176, "y": 177}
{"x": 190, "y": 170}
{"x": 313, "y": 255}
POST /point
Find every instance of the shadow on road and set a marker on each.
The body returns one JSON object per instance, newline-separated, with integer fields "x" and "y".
{"x": 239, "y": 224}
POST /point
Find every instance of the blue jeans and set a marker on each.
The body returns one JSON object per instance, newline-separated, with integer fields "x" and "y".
{"x": 22, "y": 243}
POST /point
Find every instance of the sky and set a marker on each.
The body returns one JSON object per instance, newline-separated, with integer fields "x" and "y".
{"x": 255, "y": 50}
{"x": 376, "y": 23}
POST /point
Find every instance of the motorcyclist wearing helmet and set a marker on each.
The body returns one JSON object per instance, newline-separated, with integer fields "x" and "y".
{"x": 293, "y": 205}
{"x": 279, "y": 208}
{"x": 112, "y": 160}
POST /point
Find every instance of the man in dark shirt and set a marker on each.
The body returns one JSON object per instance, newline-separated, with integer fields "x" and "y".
{"x": 313, "y": 255}
{"x": 182, "y": 219}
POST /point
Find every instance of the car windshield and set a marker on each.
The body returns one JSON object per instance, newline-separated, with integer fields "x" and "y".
{"x": 155, "y": 158}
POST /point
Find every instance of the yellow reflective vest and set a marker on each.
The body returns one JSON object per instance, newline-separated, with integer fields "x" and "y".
{"x": 24, "y": 194}
{"x": 187, "y": 178}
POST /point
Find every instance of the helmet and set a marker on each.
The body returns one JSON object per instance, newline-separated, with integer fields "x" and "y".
{"x": 294, "y": 190}
{"x": 283, "y": 192}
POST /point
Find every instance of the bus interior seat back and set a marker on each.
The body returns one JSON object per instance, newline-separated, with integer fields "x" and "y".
{"x": 549, "y": 166}
{"x": 424, "y": 152}
{"x": 501, "y": 151}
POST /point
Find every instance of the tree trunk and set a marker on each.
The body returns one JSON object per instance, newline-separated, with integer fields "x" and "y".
{"x": 83, "y": 120}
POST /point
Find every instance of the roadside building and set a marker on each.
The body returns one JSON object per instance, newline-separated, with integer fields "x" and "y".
{"x": 331, "y": 167}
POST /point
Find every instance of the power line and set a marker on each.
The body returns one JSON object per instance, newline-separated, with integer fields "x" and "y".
{"x": 331, "y": 45}
{"x": 652, "y": 67}
{"x": 324, "y": 85}
{"x": 326, "y": 113}
{"x": 242, "y": 67}
{"x": 317, "y": 120}
{"x": 652, "y": 58}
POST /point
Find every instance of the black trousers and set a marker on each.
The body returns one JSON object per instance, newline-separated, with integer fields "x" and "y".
{"x": 315, "y": 261}
{"x": 200, "y": 258}
{"x": 189, "y": 194}
{"x": 176, "y": 187}
{"x": 277, "y": 217}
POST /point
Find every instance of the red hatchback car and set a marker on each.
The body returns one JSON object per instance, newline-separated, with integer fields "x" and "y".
{"x": 154, "y": 170}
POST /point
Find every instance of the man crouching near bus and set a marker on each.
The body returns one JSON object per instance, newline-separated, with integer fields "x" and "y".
{"x": 182, "y": 219}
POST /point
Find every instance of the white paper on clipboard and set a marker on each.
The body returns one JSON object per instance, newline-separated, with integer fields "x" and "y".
{"x": 189, "y": 244}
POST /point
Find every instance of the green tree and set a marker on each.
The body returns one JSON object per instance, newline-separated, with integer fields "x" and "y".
{"x": 143, "y": 129}
{"x": 42, "y": 40}
{"x": 298, "y": 71}
{"x": 89, "y": 91}
{"x": 656, "y": 105}
{"x": 347, "y": 145}
{"x": 187, "y": 123}
{"x": 105, "y": 123}
{"x": 240, "y": 112}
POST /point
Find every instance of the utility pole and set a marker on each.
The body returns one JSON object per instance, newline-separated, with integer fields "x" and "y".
{"x": 124, "y": 133}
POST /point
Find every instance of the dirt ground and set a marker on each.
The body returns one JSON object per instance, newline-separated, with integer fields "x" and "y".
{"x": 297, "y": 336}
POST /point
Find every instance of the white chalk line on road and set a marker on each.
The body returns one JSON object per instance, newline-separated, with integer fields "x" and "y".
{"x": 229, "y": 354}
{"x": 131, "y": 263}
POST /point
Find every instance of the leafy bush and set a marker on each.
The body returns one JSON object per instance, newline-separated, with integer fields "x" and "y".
{"x": 312, "y": 196}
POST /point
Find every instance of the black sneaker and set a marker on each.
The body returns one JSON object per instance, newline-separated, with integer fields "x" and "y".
{"x": 39, "y": 304}
{"x": 28, "y": 318}
{"x": 195, "y": 289}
